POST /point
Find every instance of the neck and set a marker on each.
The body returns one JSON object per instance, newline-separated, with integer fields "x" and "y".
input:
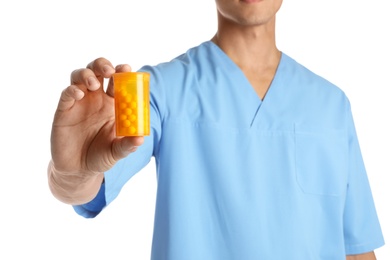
{"x": 251, "y": 47}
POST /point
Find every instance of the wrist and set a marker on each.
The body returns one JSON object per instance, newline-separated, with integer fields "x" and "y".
{"x": 73, "y": 187}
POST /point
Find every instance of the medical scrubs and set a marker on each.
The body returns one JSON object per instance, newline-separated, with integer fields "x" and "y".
{"x": 242, "y": 178}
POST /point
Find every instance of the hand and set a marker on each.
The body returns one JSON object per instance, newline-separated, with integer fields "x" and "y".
{"x": 83, "y": 140}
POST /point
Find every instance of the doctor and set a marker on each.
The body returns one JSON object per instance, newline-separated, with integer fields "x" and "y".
{"x": 257, "y": 157}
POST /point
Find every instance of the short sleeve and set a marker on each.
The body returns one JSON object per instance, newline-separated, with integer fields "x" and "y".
{"x": 124, "y": 169}
{"x": 94, "y": 207}
{"x": 362, "y": 231}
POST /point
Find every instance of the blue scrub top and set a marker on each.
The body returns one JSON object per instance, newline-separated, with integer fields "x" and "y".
{"x": 244, "y": 178}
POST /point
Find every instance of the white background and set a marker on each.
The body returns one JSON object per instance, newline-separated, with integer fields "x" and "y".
{"x": 43, "y": 41}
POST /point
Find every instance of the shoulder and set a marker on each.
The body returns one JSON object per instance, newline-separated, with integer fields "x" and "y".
{"x": 309, "y": 80}
{"x": 180, "y": 75}
{"x": 316, "y": 100}
{"x": 181, "y": 64}
{"x": 312, "y": 87}
{"x": 174, "y": 82}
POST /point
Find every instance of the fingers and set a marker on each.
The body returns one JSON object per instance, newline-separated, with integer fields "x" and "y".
{"x": 93, "y": 76}
{"x": 123, "y": 68}
{"x": 85, "y": 77}
{"x": 69, "y": 96}
{"x": 89, "y": 78}
{"x": 119, "y": 68}
{"x": 101, "y": 67}
{"x": 124, "y": 146}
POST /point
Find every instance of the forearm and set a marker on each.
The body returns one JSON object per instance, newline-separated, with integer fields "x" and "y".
{"x": 74, "y": 189}
{"x": 367, "y": 256}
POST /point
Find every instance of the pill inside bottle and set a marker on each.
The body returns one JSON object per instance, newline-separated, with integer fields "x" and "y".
{"x": 131, "y": 95}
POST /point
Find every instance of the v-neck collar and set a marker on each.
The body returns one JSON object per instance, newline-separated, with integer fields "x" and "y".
{"x": 252, "y": 99}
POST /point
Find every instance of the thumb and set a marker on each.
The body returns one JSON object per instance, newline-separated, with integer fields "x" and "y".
{"x": 122, "y": 147}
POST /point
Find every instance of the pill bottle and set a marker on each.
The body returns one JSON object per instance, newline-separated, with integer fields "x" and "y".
{"x": 131, "y": 95}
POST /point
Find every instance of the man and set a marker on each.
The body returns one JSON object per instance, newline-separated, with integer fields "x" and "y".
{"x": 257, "y": 157}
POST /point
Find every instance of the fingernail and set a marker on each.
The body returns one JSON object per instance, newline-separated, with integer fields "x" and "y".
{"x": 93, "y": 82}
{"x": 108, "y": 69}
{"x": 78, "y": 94}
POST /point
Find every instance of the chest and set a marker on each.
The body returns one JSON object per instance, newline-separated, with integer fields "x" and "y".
{"x": 260, "y": 82}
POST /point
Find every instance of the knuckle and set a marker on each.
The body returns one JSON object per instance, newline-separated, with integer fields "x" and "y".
{"x": 80, "y": 75}
{"x": 97, "y": 63}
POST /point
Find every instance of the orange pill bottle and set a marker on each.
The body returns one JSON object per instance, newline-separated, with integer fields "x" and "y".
{"x": 131, "y": 95}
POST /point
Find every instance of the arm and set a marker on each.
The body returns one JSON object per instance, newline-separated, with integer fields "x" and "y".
{"x": 362, "y": 230}
{"x": 366, "y": 256}
{"x": 83, "y": 141}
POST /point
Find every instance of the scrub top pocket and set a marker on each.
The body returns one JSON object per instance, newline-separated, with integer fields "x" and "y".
{"x": 321, "y": 161}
